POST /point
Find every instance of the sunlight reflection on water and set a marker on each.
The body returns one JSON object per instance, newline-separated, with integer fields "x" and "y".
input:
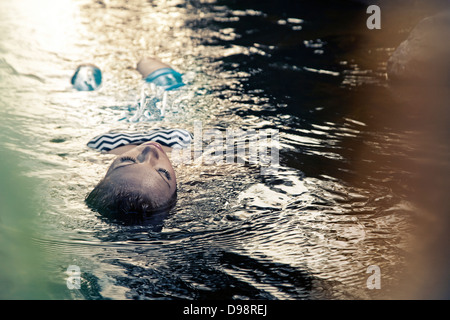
{"x": 310, "y": 231}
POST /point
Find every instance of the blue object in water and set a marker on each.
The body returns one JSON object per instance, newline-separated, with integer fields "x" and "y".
{"x": 165, "y": 77}
{"x": 87, "y": 78}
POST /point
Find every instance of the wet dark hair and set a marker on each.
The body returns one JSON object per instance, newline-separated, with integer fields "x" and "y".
{"x": 120, "y": 202}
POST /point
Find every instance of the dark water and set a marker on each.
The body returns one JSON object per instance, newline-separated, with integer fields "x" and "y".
{"x": 340, "y": 201}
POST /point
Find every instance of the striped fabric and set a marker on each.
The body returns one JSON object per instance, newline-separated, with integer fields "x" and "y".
{"x": 166, "y": 137}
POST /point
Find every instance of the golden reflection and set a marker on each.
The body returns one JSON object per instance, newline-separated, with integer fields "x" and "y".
{"x": 319, "y": 226}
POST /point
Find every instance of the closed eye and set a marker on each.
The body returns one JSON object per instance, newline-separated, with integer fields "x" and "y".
{"x": 127, "y": 159}
{"x": 124, "y": 161}
{"x": 165, "y": 172}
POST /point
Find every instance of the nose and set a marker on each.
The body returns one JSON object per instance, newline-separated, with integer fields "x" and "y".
{"x": 148, "y": 154}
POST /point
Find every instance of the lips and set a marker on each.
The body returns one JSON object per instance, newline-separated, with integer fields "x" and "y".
{"x": 155, "y": 144}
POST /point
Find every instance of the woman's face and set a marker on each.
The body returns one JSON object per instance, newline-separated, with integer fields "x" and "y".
{"x": 145, "y": 169}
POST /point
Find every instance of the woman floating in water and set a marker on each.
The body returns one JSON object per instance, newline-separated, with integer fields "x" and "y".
{"x": 141, "y": 180}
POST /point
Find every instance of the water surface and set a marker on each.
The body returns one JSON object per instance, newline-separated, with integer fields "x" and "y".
{"x": 338, "y": 203}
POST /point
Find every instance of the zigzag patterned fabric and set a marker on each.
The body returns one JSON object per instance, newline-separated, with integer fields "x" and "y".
{"x": 166, "y": 137}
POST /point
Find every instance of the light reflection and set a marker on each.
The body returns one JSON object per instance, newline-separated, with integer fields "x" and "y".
{"x": 320, "y": 225}
{"x": 51, "y": 23}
